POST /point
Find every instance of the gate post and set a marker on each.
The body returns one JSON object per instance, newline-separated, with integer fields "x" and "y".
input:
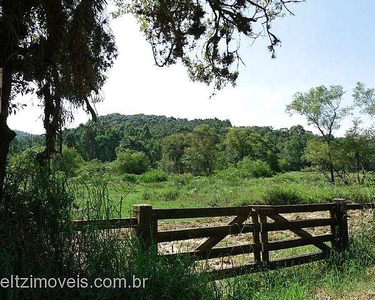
{"x": 341, "y": 234}
{"x": 147, "y": 226}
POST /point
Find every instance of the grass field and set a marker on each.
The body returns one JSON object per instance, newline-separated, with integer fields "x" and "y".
{"x": 95, "y": 253}
{"x": 349, "y": 277}
{"x": 226, "y": 188}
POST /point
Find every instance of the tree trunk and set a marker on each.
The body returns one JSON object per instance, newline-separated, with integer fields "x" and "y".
{"x": 332, "y": 173}
{"x": 6, "y": 135}
{"x": 8, "y": 46}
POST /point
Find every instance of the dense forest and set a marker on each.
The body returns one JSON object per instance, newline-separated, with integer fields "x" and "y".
{"x": 137, "y": 143}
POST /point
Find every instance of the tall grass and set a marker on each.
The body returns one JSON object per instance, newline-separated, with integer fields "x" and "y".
{"x": 37, "y": 238}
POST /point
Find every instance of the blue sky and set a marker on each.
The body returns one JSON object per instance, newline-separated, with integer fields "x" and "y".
{"x": 326, "y": 42}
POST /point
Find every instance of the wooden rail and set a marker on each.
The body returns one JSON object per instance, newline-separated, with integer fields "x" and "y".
{"x": 257, "y": 220}
{"x": 105, "y": 224}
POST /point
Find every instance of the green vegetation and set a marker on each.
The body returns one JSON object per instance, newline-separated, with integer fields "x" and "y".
{"x": 62, "y": 50}
{"x": 107, "y": 167}
{"x": 55, "y": 250}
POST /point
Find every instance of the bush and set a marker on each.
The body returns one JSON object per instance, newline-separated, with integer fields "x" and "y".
{"x": 69, "y": 162}
{"x": 182, "y": 179}
{"x": 155, "y": 176}
{"x": 169, "y": 194}
{"x": 37, "y": 239}
{"x": 283, "y": 165}
{"x": 132, "y": 162}
{"x": 256, "y": 168}
{"x": 282, "y": 195}
{"x": 130, "y": 178}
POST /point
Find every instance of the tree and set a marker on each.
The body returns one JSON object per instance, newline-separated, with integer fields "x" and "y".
{"x": 205, "y": 34}
{"x": 200, "y": 156}
{"x": 65, "y": 47}
{"x": 140, "y": 139}
{"x": 293, "y": 148}
{"x": 316, "y": 153}
{"x": 358, "y": 146}
{"x": 364, "y": 98}
{"x": 174, "y": 149}
{"x": 321, "y": 107}
{"x": 244, "y": 141}
{"x": 132, "y": 162}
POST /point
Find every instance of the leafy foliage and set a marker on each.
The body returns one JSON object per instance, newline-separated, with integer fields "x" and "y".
{"x": 256, "y": 168}
{"x": 205, "y": 35}
{"x": 132, "y": 162}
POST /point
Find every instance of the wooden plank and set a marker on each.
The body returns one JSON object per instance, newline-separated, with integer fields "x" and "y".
{"x": 264, "y": 239}
{"x": 256, "y": 238}
{"x": 184, "y": 213}
{"x": 194, "y": 233}
{"x": 297, "y": 224}
{"x": 278, "y": 209}
{"x": 281, "y": 263}
{"x": 291, "y": 243}
{"x": 334, "y": 229}
{"x": 213, "y": 241}
{"x": 105, "y": 224}
{"x": 217, "y": 252}
{"x": 355, "y": 206}
{"x": 297, "y": 260}
{"x": 300, "y": 232}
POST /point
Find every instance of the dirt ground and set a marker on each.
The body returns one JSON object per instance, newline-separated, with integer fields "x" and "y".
{"x": 357, "y": 220}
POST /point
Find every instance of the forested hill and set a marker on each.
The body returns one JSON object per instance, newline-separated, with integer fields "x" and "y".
{"x": 181, "y": 144}
{"x": 161, "y": 126}
{"x": 102, "y": 139}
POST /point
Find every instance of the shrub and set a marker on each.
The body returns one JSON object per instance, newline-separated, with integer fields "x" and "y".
{"x": 132, "y": 162}
{"x": 182, "y": 179}
{"x": 69, "y": 162}
{"x": 130, "y": 178}
{"x": 283, "y": 165}
{"x": 282, "y": 195}
{"x": 155, "y": 176}
{"x": 25, "y": 163}
{"x": 256, "y": 168}
{"x": 37, "y": 239}
{"x": 169, "y": 194}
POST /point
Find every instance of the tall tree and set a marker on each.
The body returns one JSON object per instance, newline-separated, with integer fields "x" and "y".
{"x": 201, "y": 154}
{"x": 65, "y": 47}
{"x": 365, "y": 98}
{"x": 293, "y": 148}
{"x": 321, "y": 107}
{"x": 174, "y": 149}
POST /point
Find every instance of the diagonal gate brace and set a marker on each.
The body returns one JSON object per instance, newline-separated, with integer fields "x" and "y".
{"x": 300, "y": 232}
{"x": 212, "y": 241}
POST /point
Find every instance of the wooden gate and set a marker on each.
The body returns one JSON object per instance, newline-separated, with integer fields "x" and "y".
{"x": 260, "y": 221}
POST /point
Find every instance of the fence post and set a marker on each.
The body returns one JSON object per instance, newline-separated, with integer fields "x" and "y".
{"x": 264, "y": 238}
{"x": 147, "y": 225}
{"x": 341, "y": 234}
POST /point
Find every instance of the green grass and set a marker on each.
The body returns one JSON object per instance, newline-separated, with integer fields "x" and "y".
{"x": 339, "y": 277}
{"x": 38, "y": 239}
{"x": 227, "y": 188}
